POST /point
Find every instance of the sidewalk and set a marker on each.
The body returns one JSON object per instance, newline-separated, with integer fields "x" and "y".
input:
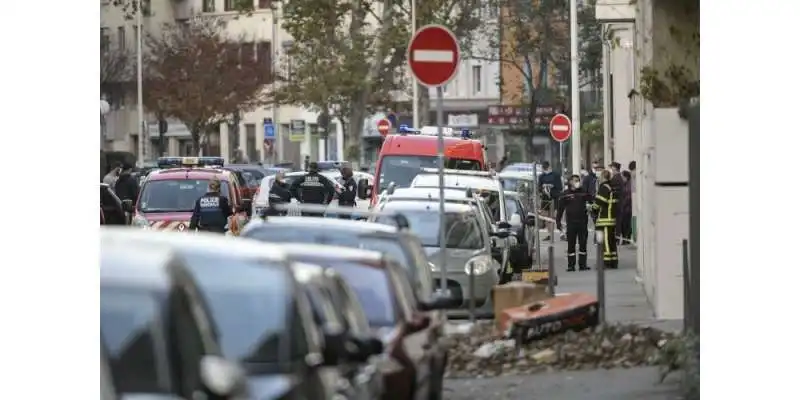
{"x": 625, "y": 298}
{"x": 625, "y": 303}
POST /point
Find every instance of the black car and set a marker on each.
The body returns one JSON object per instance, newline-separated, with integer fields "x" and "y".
{"x": 341, "y": 318}
{"x": 410, "y": 335}
{"x": 262, "y": 315}
{"x": 155, "y": 328}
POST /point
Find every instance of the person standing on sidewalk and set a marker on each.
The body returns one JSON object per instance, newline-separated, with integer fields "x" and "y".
{"x": 576, "y": 202}
{"x": 626, "y": 209}
{"x": 605, "y": 205}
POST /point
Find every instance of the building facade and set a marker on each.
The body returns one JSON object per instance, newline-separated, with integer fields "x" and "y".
{"x": 294, "y": 127}
{"x": 652, "y": 34}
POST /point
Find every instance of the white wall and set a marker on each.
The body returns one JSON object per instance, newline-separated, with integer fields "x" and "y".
{"x": 621, "y": 61}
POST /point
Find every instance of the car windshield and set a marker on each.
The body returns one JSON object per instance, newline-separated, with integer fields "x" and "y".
{"x": 249, "y": 305}
{"x": 372, "y": 289}
{"x": 174, "y": 195}
{"x": 132, "y": 329}
{"x": 389, "y": 246}
{"x": 402, "y": 169}
{"x": 462, "y": 230}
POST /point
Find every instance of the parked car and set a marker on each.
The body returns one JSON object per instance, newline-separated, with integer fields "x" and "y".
{"x": 262, "y": 316}
{"x": 468, "y": 249}
{"x": 147, "y": 300}
{"x": 341, "y": 318}
{"x": 249, "y": 175}
{"x": 413, "y": 341}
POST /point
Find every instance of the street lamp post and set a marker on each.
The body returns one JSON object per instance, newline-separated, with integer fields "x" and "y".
{"x": 575, "y": 141}
{"x": 415, "y": 85}
{"x": 139, "y": 89}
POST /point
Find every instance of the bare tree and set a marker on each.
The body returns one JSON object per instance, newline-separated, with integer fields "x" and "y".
{"x": 199, "y": 75}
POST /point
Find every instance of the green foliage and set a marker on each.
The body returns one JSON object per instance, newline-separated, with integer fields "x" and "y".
{"x": 682, "y": 354}
{"x": 130, "y": 7}
{"x": 349, "y": 56}
{"x": 592, "y": 130}
{"x": 590, "y": 41}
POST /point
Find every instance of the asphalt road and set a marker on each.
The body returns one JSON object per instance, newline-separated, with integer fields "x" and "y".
{"x": 620, "y": 384}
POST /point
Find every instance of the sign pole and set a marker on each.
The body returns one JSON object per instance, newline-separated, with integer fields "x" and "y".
{"x": 442, "y": 219}
{"x": 561, "y": 157}
{"x": 575, "y": 92}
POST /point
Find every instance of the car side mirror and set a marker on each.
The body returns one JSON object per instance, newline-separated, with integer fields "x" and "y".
{"x": 502, "y": 233}
{"x": 127, "y": 205}
{"x": 530, "y": 219}
{"x": 220, "y": 376}
{"x": 359, "y": 350}
{"x": 363, "y": 188}
{"x": 503, "y": 225}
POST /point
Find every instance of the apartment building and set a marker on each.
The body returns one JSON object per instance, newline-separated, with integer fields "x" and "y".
{"x": 294, "y": 126}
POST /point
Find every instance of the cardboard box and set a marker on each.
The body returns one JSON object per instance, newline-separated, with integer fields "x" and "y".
{"x": 515, "y": 294}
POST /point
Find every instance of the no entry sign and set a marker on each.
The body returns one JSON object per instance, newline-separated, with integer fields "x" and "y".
{"x": 560, "y": 128}
{"x": 433, "y": 55}
{"x": 383, "y": 127}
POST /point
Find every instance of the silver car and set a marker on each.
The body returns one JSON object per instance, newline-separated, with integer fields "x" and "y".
{"x": 469, "y": 249}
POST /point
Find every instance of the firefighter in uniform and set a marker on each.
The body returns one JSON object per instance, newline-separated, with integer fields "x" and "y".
{"x": 347, "y": 198}
{"x": 212, "y": 210}
{"x": 312, "y": 188}
{"x": 605, "y": 207}
{"x": 576, "y": 201}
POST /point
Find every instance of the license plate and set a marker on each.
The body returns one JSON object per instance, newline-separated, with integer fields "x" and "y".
{"x": 535, "y": 276}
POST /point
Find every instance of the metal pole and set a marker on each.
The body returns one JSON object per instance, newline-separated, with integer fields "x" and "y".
{"x": 561, "y": 157}
{"x": 415, "y": 87}
{"x": 607, "y": 106}
{"x": 472, "y": 292}
{"x": 601, "y": 278}
{"x": 442, "y": 219}
{"x": 576, "y": 104}
{"x": 687, "y": 287}
{"x": 139, "y": 89}
{"x": 551, "y": 260}
{"x": 278, "y": 143}
{"x": 536, "y": 234}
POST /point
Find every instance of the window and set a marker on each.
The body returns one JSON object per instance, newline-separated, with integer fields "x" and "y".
{"x": 105, "y": 40}
{"x": 209, "y": 6}
{"x": 263, "y": 4}
{"x": 476, "y": 79}
{"x": 232, "y": 53}
{"x": 264, "y": 55}
{"x": 121, "y": 38}
{"x": 252, "y": 149}
{"x": 248, "y": 52}
{"x": 463, "y": 229}
{"x": 230, "y": 5}
{"x": 136, "y": 35}
{"x": 249, "y": 307}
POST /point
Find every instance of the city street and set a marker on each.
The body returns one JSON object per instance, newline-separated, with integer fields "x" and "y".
{"x": 625, "y": 303}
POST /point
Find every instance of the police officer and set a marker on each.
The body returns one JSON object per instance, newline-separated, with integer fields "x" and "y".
{"x": 211, "y": 211}
{"x": 278, "y": 195}
{"x": 576, "y": 201}
{"x": 347, "y": 198}
{"x": 605, "y": 207}
{"x": 312, "y": 188}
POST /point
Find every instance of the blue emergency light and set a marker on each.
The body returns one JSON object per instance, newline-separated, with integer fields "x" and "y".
{"x": 403, "y": 128}
{"x": 466, "y": 134}
{"x": 177, "y": 162}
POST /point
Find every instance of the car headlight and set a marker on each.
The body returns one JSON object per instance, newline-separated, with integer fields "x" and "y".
{"x": 140, "y": 221}
{"x": 478, "y": 266}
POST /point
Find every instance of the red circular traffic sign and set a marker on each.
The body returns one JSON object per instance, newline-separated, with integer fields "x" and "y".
{"x": 433, "y": 55}
{"x": 560, "y": 128}
{"x": 383, "y": 126}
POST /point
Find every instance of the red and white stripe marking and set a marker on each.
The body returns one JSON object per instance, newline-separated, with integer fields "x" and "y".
{"x": 170, "y": 225}
{"x": 561, "y": 128}
{"x": 434, "y": 56}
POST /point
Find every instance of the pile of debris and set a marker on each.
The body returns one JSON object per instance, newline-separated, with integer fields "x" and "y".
{"x": 481, "y": 352}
